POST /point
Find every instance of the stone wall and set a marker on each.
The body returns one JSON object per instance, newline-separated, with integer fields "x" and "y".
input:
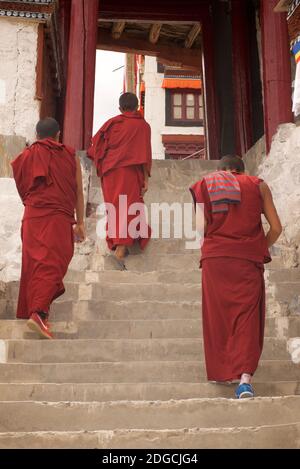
{"x": 19, "y": 108}
{"x": 281, "y": 171}
{"x": 10, "y": 146}
{"x": 11, "y": 210}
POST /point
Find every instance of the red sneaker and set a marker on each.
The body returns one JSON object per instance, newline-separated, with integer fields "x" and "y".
{"x": 37, "y": 324}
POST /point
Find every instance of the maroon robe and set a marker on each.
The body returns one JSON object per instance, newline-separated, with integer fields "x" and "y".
{"x": 119, "y": 150}
{"x": 233, "y": 290}
{"x": 45, "y": 176}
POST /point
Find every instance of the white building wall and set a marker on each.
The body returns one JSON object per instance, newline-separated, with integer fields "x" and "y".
{"x": 155, "y": 110}
{"x": 19, "y": 108}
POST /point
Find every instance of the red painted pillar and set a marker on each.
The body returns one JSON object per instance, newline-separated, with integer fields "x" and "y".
{"x": 241, "y": 77}
{"x": 78, "y": 121}
{"x": 276, "y": 69}
{"x": 209, "y": 86}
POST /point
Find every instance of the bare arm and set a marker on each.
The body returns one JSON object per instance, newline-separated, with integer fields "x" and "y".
{"x": 79, "y": 229}
{"x": 271, "y": 214}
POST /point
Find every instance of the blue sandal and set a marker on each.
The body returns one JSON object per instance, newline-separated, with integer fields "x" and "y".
{"x": 244, "y": 391}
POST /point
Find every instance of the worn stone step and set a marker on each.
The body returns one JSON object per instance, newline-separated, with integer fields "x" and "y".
{"x": 118, "y": 350}
{"x": 90, "y": 310}
{"x": 261, "y": 437}
{"x": 276, "y": 264}
{"x": 109, "y": 309}
{"x": 91, "y": 392}
{"x": 161, "y": 263}
{"x": 284, "y": 275}
{"x": 127, "y": 291}
{"x": 189, "y": 276}
{"x": 286, "y": 291}
{"x": 136, "y": 309}
{"x": 63, "y": 309}
{"x": 109, "y": 329}
{"x": 147, "y": 291}
{"x": 116, "y": 277}
{"x": 133, "y": 372}
{"x": 156, "y": 262}
{"x": 139, "y": 328}
{"x": 158, "y": 415}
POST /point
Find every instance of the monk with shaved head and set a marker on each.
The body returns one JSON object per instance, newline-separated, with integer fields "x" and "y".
{"x": 121, "y": 151}
{"x": 48, "y": 179}
{"x": 234, "y": 252}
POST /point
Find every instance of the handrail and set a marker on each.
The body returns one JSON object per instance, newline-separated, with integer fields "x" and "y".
{"x": 193, "y": 154}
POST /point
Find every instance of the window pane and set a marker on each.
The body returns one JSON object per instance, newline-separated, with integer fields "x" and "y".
{"x": 200, "y": 112}
{"x": 190, "y": 99}
{"x": 177, "y": 113}
{"x": 190, "y": 113}
{"x": 177, "y": 99}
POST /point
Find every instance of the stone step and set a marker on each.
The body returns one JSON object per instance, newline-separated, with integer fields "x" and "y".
{"x": 148, "y": 291}
{"x": 177, "y": 276}
{"x": 133, "y": 372}
{"x": 118, "y": 350}
{"x": 287, "y": 291}
{"x": 68, "y": 311}
{"x": 156, "y": 262}
{"x": 116, "y": 277}
{"x": 284, "y": 275}
{"x": 191, "y": 413}
{"x": 183, "y": 291}
{"x": 157, "y": 193}
{"x": 139, "y": 329}
{"x": 261, "y": 437}
{"x": 63, "y": 310}
{"x": 90, "y": 392}
{"x": 166, "y": 246}
{"x": 109, "y": 309}
{"x": 124, "y": 291}
{"x": 160, "y": 263}
{"x": 135, "y": 309}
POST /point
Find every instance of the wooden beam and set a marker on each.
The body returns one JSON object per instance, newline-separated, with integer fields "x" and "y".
{"x": 141, "y": 21}
{"x": 117, "y": 29}
{"x": 192, "y": 36}
{"x": 174, "y": 55}
{"x": 155, "y": 32}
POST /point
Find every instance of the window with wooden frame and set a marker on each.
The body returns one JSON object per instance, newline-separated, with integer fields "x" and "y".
{"x": 184, "y": 108}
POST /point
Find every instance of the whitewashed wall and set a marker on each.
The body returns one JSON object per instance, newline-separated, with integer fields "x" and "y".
{"x": 19, "y": 108}
{"x": 155, "y": 110}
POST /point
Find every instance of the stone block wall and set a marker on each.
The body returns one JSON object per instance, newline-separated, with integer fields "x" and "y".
{"x": 19, "y": 106}
{"x": 281, "y": 171}
{"x": 10, "y": 146}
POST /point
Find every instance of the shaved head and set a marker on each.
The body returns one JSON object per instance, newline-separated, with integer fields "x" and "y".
{"x": 128, "y": 102}
{"x": 231, "y": 163}
{"x": 47, "y": 128}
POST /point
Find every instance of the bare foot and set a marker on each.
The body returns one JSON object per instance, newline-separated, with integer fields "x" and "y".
{"x": 121, "y": 252}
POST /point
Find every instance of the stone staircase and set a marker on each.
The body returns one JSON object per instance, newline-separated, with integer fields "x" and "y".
{"x": 127, "y": 370}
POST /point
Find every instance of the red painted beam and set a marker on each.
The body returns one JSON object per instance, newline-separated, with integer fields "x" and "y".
{"x": 78, "y": 120}
{"x": 156, "y": 10}
{"x": 209, "y": 87}
{"x": 276, "y": 69}
{"x": 241, "y": 77}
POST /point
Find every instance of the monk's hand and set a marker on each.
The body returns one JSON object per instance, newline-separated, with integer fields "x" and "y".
{"x": 79, "y": 232}
{"x": 144, "y": 188}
